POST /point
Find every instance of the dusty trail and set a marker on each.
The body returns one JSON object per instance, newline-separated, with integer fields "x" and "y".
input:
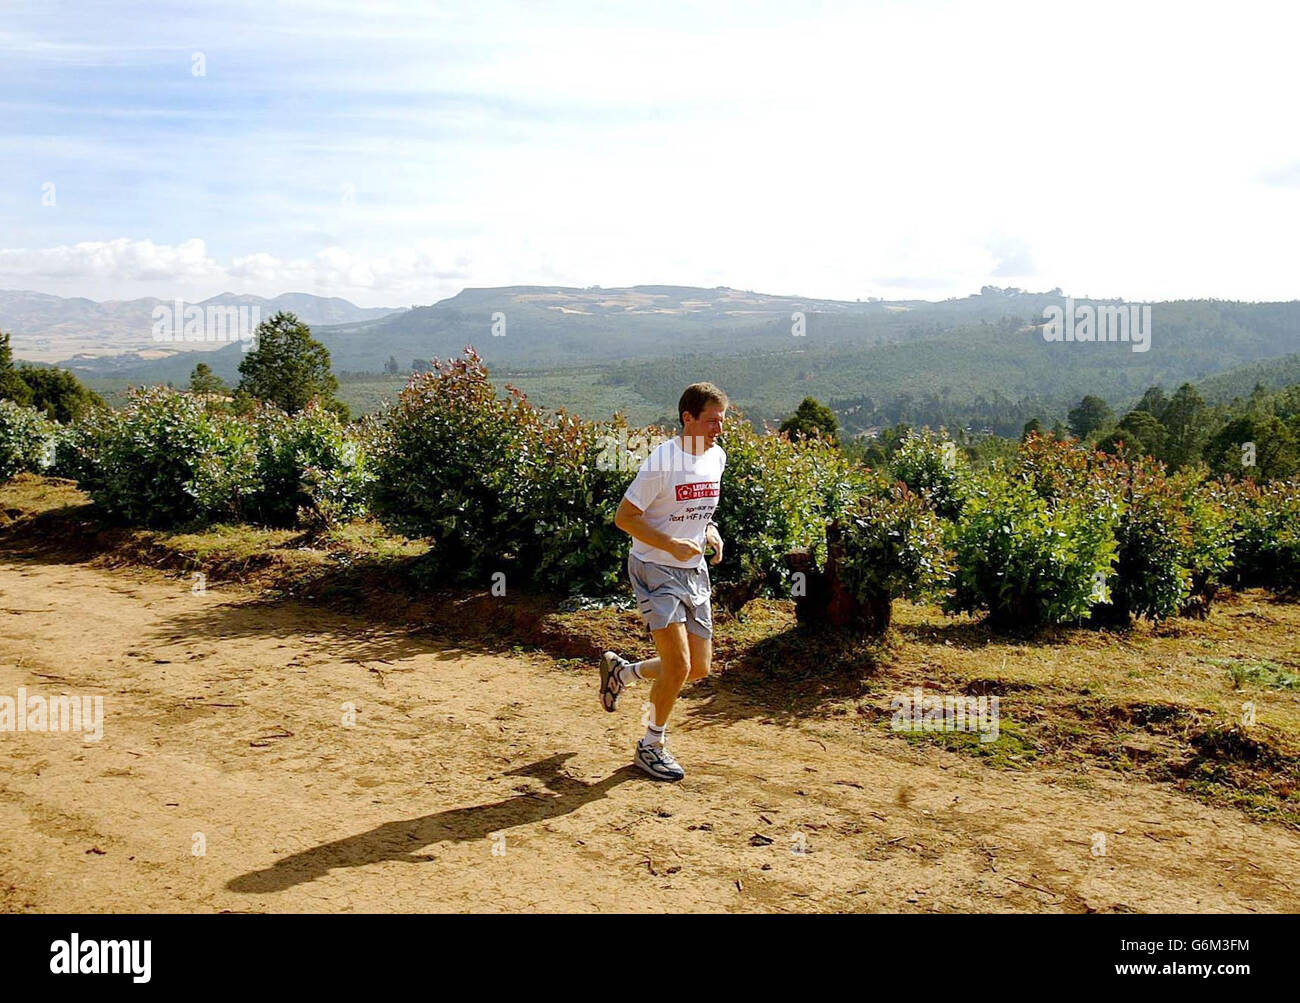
{"x": 224, "y": 716}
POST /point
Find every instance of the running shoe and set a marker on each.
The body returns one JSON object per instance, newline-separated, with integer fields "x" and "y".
{"x": 658, "y": 762}
{"x": 610, "y": 687}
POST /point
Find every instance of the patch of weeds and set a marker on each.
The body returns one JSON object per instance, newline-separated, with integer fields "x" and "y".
{"x": 1257, "y": 672}
{"x": 1011, "y": 750}
{"x": 1230, "y": 766}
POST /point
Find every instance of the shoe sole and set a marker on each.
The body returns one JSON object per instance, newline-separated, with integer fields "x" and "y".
{"x": 605, "y": 673}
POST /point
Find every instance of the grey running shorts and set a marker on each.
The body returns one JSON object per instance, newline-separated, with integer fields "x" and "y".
{"x": 667, "y": 595}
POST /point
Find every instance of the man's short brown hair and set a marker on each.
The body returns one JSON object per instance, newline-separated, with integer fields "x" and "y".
{"x": 697, "y": 397}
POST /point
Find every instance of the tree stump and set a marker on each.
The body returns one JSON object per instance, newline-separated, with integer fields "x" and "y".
{"x": 825, "y": 601}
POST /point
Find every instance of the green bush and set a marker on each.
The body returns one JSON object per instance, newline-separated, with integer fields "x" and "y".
{"x": 497, "y": 484}
{"x": 1026, "y": 560}
{"x": 892, "y": 546}
{"x": 1213, "y": 536}
{"x": 933, "y": 467}
{"x": 309, "y": 469}
{"x": 1173, "y": 535}
{"x": 169, "y": 458}
{"x": 1152, "y": 576}
{"x": 78, "y": 447}
{"x": 1266, "y": 522}
{"x": 777, "y": 496}
{"x": 26, "y": 440}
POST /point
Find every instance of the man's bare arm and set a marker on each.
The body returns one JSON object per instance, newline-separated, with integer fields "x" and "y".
{"x": 631, "y": 521}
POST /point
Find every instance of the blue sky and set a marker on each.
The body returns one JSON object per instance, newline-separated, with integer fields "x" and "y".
{"x": 393, "y": 153}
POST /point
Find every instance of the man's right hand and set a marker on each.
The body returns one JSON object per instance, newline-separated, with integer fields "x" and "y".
{"x": 684, "y": 550}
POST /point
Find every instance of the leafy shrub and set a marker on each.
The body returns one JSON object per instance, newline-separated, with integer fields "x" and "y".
{"x": 1063, "y": 471}
{"x": 1207, "y": 507}
{"x": 1027, "y": 560}
{"x": 778, "y": 496}
{"x": 1154, "y": 544}
{"x": 497, "y": 484}
{"x": 892, "y": 546}
{"x": 1266, "y": 522}
{"x": 932, "y": 466}
{"x": 309, "y": 469}
{"x": 1174, "y": 534}
{"x": 26, "y": 440}
{"x": 78, "y": 447}
{"x": 169, "y": 459}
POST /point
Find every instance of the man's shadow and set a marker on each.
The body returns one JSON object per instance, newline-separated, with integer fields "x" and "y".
{"x": 398, "y": 840}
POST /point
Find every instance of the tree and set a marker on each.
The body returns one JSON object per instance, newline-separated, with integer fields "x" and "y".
{"x": 1153, "y": 402}
{"x": 12, "y": 386}
{"x": 204, "y": 381}
{"x": 1186, "y": 420}
{"x": 58, "y": 393}
{"x": 288, "y": 367}
{"x": 1088, "y": 415}
{"x": 391, "y": 365}
{"x": 1258, "y": 447}
{"x": 812, "y": 418}
{"x": 1032, "y": 426}
{"x": 1146, "y": 429}
{"x": 1123, "y": 442}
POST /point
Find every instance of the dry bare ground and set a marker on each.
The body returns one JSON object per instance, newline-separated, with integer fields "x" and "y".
{"x": 224, "y": 716}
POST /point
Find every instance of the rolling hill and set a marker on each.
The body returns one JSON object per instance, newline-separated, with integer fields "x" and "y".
{"x": 981, "y": 358}
{"x": 49, "y": 328}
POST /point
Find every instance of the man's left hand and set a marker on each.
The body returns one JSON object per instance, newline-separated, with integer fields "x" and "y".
{"x": 714, "y": 539}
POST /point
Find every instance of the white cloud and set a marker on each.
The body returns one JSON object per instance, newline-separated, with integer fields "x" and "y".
{"x": 126, "y": 268}
{"x": 122, "y": 260}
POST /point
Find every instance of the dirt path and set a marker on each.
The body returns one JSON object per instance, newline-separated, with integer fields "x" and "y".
{"x": 224, "y": 716}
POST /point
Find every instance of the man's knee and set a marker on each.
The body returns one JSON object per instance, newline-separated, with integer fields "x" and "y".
{"x": 674, "y": 654}
{"x": 675, "y": 668}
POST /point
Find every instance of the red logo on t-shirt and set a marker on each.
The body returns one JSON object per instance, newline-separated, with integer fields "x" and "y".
{"x": 702, "y": 489}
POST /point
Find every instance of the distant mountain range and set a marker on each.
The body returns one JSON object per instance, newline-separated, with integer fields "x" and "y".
{"x": 982, "y": 355}
{"x": 545, "y": 326}
{"x": 551, "y": 326}
{"x": 50, "y": 328}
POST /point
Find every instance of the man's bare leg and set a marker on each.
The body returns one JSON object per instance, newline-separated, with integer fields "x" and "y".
{"x": 701, "y": 656}
{"x": 683, "y": 657}
{"x": 650, "y": 668}
{"x": 701, "y": 650}
{"x": 671, "y": 672}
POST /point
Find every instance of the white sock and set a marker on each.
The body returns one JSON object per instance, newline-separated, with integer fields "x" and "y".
{"x": 654, "y": 734}
{"x": 629, "y": 672}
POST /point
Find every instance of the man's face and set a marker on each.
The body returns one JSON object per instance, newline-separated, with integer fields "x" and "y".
{"x": 707, "y": 426}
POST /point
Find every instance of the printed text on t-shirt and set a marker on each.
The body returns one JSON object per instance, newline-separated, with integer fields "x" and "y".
{"x": 701, "y": 489}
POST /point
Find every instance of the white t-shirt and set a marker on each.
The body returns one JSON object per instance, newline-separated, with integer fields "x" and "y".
{"x": 678, "y": 492}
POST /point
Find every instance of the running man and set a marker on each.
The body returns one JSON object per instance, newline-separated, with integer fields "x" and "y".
{"x": 668, "y": 511}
